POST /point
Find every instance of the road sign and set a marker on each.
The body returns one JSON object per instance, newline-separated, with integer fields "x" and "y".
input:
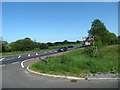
{"x": 84, "y": 38}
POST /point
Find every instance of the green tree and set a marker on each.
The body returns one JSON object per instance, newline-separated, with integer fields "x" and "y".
{"x": 22, "y": 45}
{"x": 98, "y": 41}
{"x": 112, "y": 39}
{"x": 43, "y": 46}
{"x": 65, "y": 42}
{"x": 118, "y": 39}
{"x": 50, "y": 44}
{"x": 99, "y": 31}
{"x": 7, "y": 48}
{"x": 3, "y": 48}
{"x": 98, "y": 28}
{"x": 77, "y": 41}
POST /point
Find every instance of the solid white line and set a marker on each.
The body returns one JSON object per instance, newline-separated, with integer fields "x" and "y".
{"x": 55, "y": 76}
{"x": 25, "y": 61}
{"x": 2, "y": 59}
{"x": 19, "y": 56}
{"x": 70, "y": 77}
{"x": 15, "y": 62}
{"x": 102, "y": 78}
{"x": 28, "y": 55}
{"x": 22, "y": 64}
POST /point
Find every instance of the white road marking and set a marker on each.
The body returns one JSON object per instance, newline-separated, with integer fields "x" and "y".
{"x": 55, "y": 76}
{"x": 15, "y": 62}
{"x": 2, "y": 65}
{"x": 50, "y": 51}
{"x": 36, "y": 53}
{"x": 28, "y": 55}
{"x": 45, "y": 52}
{"x": 22, "y": 64}
{"x": 25, "y": 61}
{"x": 19, "y": 56}
{"x": 2, "y": 59}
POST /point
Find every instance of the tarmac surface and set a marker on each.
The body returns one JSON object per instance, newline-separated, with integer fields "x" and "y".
{"x": 14, "y": 76}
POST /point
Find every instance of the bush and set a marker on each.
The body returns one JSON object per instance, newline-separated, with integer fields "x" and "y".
{"x": 43, "y": 46}
{"x": 36, "y": 49}
{"x": 90, "y": 51}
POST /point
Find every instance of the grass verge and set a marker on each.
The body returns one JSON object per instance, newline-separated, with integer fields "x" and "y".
{"x": 76, "y": 64}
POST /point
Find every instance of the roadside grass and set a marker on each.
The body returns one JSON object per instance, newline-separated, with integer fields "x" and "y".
{"x": 36, "y": 50}
{"x": 76, "y": 64}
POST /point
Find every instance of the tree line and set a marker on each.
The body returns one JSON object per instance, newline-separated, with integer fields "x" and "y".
{"x": 98, "y": 31}
{"x": 27, "y": 44}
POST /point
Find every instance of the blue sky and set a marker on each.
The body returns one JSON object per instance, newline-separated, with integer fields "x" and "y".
{"x": 51, "y": 22}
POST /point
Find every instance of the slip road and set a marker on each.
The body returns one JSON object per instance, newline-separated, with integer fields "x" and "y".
{"x": 14, "y": 76}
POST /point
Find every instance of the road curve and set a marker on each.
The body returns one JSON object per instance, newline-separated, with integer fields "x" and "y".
{"x": 14, "y": 76}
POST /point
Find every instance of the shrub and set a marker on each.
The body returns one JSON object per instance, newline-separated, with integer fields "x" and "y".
{"x": 90, "y": 51}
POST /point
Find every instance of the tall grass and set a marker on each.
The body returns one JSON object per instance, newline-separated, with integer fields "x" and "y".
{"x": 77, "y": 64}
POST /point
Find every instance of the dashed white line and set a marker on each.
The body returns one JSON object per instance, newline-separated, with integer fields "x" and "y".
{"x": 55, "y": 51}
{"x": 2, "y": 59}
{"x": 45, "y": 52}
{"x": 36, "y": 53}
{"x": 19, "y": 56}
{"x": 28, "y": 55}
{"x": 15, "y": 62}
{"x": 50, "y": 51}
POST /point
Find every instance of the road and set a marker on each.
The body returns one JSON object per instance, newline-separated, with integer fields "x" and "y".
{"x": 21, "y": 57}
{"x": 14, "y": 76}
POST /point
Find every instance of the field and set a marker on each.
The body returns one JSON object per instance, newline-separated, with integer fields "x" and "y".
{"x": 37, "y": 50}
{"x": 76, "y": 64}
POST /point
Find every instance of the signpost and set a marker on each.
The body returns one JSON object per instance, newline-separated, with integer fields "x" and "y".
{"x": 84, "y": 38}
{"x": 89, "y": 40}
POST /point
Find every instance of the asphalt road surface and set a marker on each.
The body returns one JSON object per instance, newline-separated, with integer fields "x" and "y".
{"x": 21, "y": 57}
{"x": 14, "y": 76}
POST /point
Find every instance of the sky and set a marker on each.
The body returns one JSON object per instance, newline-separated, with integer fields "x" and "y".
{"x": 55, "y": 21}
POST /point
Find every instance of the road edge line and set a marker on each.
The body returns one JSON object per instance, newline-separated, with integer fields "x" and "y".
{"x": 25, "y": 61}
{"x": 22, "y": 64}
{"x": 55, "y": 76}
{"x": 69, "y": 77}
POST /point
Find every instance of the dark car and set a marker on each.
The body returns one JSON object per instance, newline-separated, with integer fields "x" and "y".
{"x": 70, "y": 46}
{"x": 83, "y": 45}
{"x": 62, "y": 49}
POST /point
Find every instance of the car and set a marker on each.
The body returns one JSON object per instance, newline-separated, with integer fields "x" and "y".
{"x": 62, "y": 49}
{"x": 70, "y": 46}
{"x": 83, "y": 45}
